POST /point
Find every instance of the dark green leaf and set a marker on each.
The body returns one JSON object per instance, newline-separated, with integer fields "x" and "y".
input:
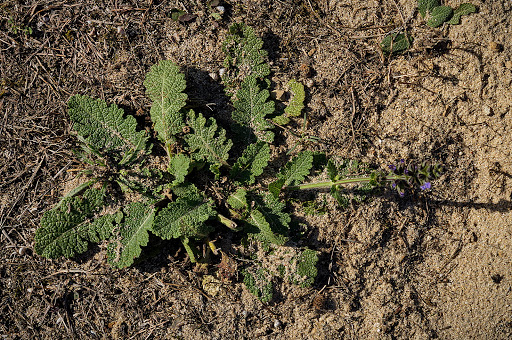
{"x": 463, "y": 9}
{"x": 105, "y": 129}
{"x": 66, "y": 230}
{"x": 396, "y": 43}
{"x": 251, "y": 164}
{"x": 184, "y": 218}
{"x": 427, "y": 5}
{"x": 131, "y": 235}
{"x": 439, "y": 15}
{"x": 293, "y": 172}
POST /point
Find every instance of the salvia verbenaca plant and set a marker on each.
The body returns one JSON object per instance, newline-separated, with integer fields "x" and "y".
{"x": 436, "y": 15}
{"x": 176, "y": 200}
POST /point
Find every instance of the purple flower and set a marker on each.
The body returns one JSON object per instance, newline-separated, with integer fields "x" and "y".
{"x": 393, "y": 185}
{"x": 426, "y": 186}
{"x": 392, "y": 167}
{"x": 402, "y": 194}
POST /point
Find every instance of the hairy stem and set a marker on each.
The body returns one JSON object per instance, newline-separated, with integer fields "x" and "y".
{"x": 328, "y": 184}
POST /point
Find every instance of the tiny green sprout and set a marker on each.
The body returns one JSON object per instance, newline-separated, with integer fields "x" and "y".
{"x": 396, "y": 43}
{"x": 439, "y": 15}
{"x": 27, "y": 30}
{"x": 436, "y": 16}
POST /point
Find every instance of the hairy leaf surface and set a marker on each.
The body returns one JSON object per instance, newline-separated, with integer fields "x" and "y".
{"x": 131, "y": 235}
{"x": 206, "y": 141}
{"x": 305, "y": 263}
{"x": 293, "y": 172}
{"x": 259, "y": 283}
{"x": 251, "y": 108}
{"x": 184, "y": 218}
{"x": 296, "y": 104}
{"x": 178, "y": 167}
{"x": 165, "y": 85}
{"x": 244, "y": 56}
{"x": 261, "y": 229}
{"x": 463, "y": 9}
{"x": 66, "y": 230}
{"x": 251, "y": 164}
{"x": 238, "y": 199}
{"x": 425, "y": 6}
{"x": 439, "y": 15}
{"x": 105, "y": 129}
{"x": 273, "y": 210}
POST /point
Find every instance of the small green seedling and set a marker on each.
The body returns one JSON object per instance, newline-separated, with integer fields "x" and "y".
{"x": 436, "y": 16}
{"x": 396, "y": 43}
{"x": 15, "y": 29}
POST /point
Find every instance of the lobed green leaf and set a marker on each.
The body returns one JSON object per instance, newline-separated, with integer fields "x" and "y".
{"x": 206, "y": 141}
{"x": 66, "y": 230}
{"x": 185, "y": 217}
{"x": 293, "y": 172}
{"x": 131, "y": 235}
{"x": 251, "y": 164}
{"x": 251, "y": 108}
{"x": 259, "y": 283}
{"x": 306, "y": 271}
{"x": 238, "y": 200}
{"x": 105, "y": 129}
{"x": 244, "y": 56}
{"x": 261, "y": 229}
{"x": 178, "y": 167}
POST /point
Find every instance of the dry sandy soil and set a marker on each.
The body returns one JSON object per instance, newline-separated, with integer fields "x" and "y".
{"x": 434, "y": 264}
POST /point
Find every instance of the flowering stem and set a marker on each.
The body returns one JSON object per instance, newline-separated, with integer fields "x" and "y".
{"x": 328, "y": 184}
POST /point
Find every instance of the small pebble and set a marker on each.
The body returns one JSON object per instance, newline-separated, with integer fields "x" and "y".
{"x": 487, "y": 110}
{"x": 23, "y": 251}
{"x": 214, "y": 76}
{"x": 494, "y": 46}
{"x": 220, "y": 9}
{"x": 222, "y": 71}
{"x": 176, "y": 37}
{"x": 277, "y": 323}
